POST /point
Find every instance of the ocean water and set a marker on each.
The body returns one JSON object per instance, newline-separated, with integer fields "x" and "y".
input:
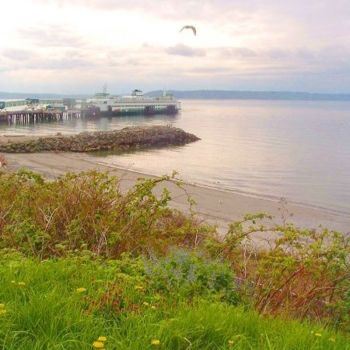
{"x": 292, "y": 149}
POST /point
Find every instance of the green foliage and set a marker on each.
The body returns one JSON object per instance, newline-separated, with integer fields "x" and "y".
{"x": 88, "y": 211}
{"x": 67, "y": 303}
{"x": 192, "y": 274}
{"x": 301, "y": 272}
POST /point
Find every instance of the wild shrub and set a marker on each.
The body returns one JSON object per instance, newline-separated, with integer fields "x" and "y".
{"x": 134, "y": 283}
{"x": 88, "y": 211}
{"x": 300, "y": 272}
{"x": 192, "y": 274}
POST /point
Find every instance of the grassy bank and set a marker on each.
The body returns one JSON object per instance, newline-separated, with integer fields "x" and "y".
{"x": 70, "y": 302}
{"x": 80, "y": 260}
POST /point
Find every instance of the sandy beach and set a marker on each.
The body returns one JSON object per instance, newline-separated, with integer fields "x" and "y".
{"x": 214, "y": 205}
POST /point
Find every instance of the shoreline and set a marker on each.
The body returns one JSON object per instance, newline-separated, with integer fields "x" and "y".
{"x": 217, "y": 206}
{"x": 8, "y": 138}
{"x": 252, "y": 195}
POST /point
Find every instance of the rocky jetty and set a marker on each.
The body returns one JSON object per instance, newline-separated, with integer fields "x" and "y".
{"x": 118, "y": 140}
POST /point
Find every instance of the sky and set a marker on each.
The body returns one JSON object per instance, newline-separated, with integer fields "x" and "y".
{"x": 77, "y": 46}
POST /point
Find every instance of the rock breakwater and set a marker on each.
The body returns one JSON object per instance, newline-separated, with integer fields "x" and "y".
{"x": 118, "y": 140}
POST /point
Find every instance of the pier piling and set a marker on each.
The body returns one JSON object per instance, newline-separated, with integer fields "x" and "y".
{"x": 35, "y": 116}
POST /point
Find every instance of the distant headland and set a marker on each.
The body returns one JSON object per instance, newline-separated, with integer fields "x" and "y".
{"x": 207, "y": 95}
{"x": 253, "y": 95}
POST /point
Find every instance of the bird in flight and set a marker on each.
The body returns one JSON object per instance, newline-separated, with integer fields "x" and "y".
{"x": 189, "y": 27}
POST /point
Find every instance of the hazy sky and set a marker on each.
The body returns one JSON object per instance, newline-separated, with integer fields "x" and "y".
{"x": 73, "y": 46}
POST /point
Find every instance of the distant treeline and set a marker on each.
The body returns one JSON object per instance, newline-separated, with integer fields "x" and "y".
{"x": 24, "y": 95}
{"x": 207, "y": 95}
{"x": 253, "y": 95}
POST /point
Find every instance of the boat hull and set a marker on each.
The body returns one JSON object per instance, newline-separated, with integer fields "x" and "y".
{"x": 147, "y": 111}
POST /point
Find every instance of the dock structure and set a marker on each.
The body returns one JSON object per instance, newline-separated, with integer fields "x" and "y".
{"x": 35, "y": 116}
{"x": 35, "y": 110}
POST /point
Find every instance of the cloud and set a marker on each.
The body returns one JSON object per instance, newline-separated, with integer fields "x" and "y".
{"x": 241, "y": 52}
{"x": 180, "y": 9}
{"x": 52, "y": 36}
{"x": 25, "y": 60}
{"x": 63, "y": 64}
{"x": 90, "y": 41}
{"x": 17, "y": 54}
{"x": 184, "y": 50}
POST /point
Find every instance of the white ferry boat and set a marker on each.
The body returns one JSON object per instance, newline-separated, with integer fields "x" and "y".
{"x": 136, "y": 103}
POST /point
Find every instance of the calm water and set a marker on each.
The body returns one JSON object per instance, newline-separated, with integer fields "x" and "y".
{"x": 296, "y": 150}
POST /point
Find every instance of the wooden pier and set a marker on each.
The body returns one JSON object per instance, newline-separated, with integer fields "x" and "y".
{"x": 37, "y": 116}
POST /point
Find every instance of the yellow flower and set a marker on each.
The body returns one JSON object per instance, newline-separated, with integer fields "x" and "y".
{"x": 318, "y": 335}
{"x": 102, "y": 338}
{"x": 98, "y": 345}
{"x": 2, "y": 306}
{"x": 231, "y": 342}
{"x": 145, "y": 303}
{"x": 153, "y": 307}
{"x": 21, "y": 284}
{"x": 155, "y": 342}
{"x": 138, "y": 287}
{"x": 81, "y": 290}
{"x": 332, "y": 340}
{"x": 3, "y": 312}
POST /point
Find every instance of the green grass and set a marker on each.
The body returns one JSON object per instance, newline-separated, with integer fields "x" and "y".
{"x": 132, "y": 302}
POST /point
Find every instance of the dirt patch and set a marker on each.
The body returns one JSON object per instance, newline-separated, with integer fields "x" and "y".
{"x": 3, "y": 162}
